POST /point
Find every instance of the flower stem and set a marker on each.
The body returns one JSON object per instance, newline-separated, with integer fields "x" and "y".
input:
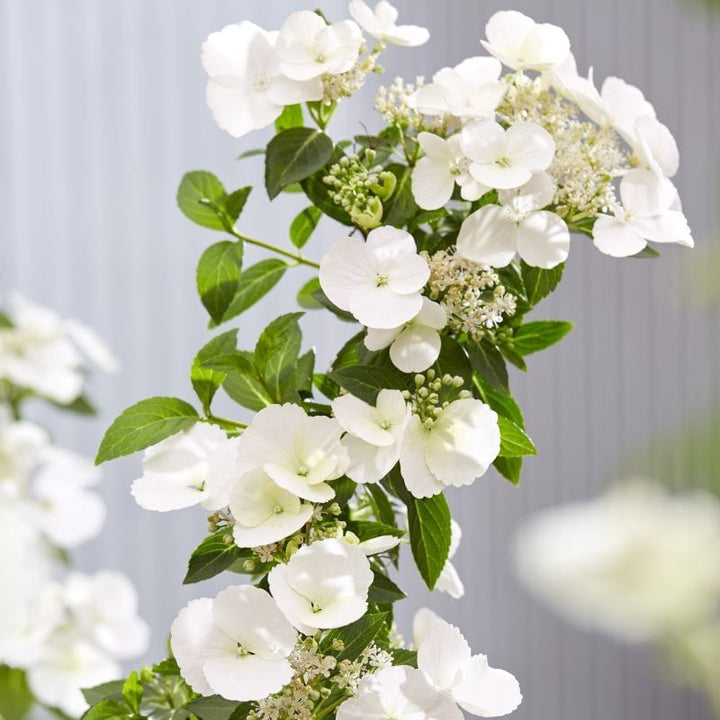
{"x": 298, "y": 259}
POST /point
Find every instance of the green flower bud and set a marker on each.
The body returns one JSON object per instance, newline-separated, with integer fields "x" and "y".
{"x": 368, "y": 217}
{"x": 385, "y": 186}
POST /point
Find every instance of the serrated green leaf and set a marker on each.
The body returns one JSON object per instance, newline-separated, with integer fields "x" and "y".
{"x": 357, "y": 636}
{"x": 539, "y": 334}
{"x": 502, "y": 403}
{"x": 206, "y": 381}
{"x": 217, "y": 708}
{"x": 215, "y": 554}
{"x": 513, "y": 357}
{"x": 383, "y": 590}
{"x": 540, "y": 283}
{"x": 513, "y": 440}
{"x": 247, "y": 390}
{"x": 198, "y": 191}
{"x": 304, "y": 370}
{"x": 487, "y": 361}
{"x": 306, "y": 295}
{"x": 234, "y": 203}
{"x": 290, "y": 117}
{"x": 277, "y": 349}
{"x": 404, "y": 657}
{"x": 132, "y": 692}
{"x": 106, "y": 691}
{"x": 366, "y": 381}
{"x": 109, "y": 710}
{"x": 304, "y": 225}
{"x": 510, "y": 468}
{"x": 294, "y": 155}
{"x": 256, "y": 282}
{"x": 143, "y": 424}
{"x": 401, "y": 207}
{"x": 218, "y": 277}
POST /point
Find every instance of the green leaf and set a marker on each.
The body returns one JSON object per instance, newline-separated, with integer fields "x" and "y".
{"x": 540, "y": 283}
{"x": 513, "y": 440}
{"x": 367, "y": 530}
{"x": 357, "y": 636}
{"x": 538, "y": 335}
{"x": 647, "y": 253}
{"x": 109, "y": 710}
{"x": 132, "y": 692}
{"x": 290, "y": 117}
{"x": 383, "y": 590}
{"x": 501, "y": 403}
{"x": 16, "y": 700}
{"x": 217, "y": 708}
{"x": 106, "y": 691}
{"x": 404, "y": 657}
{"x": 401, "y": 207}
{"x": 453, "y": 360}
{"x": 143, "y": 424}
{"x": 294, "y": 155}
{"x": 247, "y": 390}
{"x": 197, "y": 193}
{"x": 429, "y": 528}
{"x": 306, "y": 295}
{"x": 5, "y": 321}
{"x": 256, "y": 282}
{"x": 277, "y": 349}
{"x": 366, "y": 381}
{"x": 80, "y": 405}
{"x": 510, "y": 468}
{"x": 323, "y": 299}
{"x": 214, "y": 554}
{"x": 234, "y": 203}
{"x": 489, "y": 364}
{"x": 206, "y": 381}
{"x": 304, "y": 370}
{"x": 381, "y": 504}
{"x": 513, "y": 357}
{"x": 218, "y": 277}
{"x": 304, "y": 225}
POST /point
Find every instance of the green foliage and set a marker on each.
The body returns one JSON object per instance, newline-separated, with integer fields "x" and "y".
{"x": 487, "y": 361}
{"x": 276, "y": 355}
{"x": 256, "y": 282}
{"x": 513, "y": 440}
{"x": 383, "y": 590}
{"x": 107, "y": 691}
{"x": 16, "y": 700}
{"x": 132, "y": 692}
{"x": 290, "y": 117}
{"x": 510, "y": 468}
{"x": 207, "y": 374}
{"x": 401, "y": 207}
{"x": 356, "y": 637}
{"x": 215, "y": 554}
{"x": 294, "y": 155}
{"x": 217, "y": 708}
{"x": 540, "y": 283}
{"x": 540, "y": 334}
{"x": 143, "y": 424}
{"x": 218, "y": 277}
{"x": 303, "y": 226}
{"x": 202, "y": 198}
{"x": 366, "y": 381}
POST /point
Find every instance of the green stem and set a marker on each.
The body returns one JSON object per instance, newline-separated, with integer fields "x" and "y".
{"x": 299, "y": 259}
{"x": 215, "y": 420}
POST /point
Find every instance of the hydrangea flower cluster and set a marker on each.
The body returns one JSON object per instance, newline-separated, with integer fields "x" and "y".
{"x": 57, "y": 634}
{"x": 458, "y": 216}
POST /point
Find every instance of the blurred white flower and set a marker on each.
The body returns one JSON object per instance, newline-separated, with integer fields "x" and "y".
{"x": 66, "y": 510}
{"x": 415, "y": 345}
{"x": 379, "y": 280}
{"x": 264, "y": 512}
{"x": 235, "y": 646}
{"x": 300, "y": 453}
{"x": 381, "y": 23}
{"x": 634, "y": 563}
{"x": 308, "y": 47}
{"x": 506, "y": 159}
{"x": 324, "y": 585}
{"x": 523, "y": 44}
{"x": 649, "y": 212}
{"x": 373, "y": 434}
{"x": 447, "y": 662}
{"x": 471, "y": 89}
{"x": 443, "y": 165}
{"x": 495, "y": 233}
{"x": 46, "y": 354}
{"x": 193, "y": 467}
{"x": 246, "y": 90}
{"x": 454, "y": 449}
{"x": 449, "y": 581}
{"x": 22, "y": 447}
{"x": 401, "y": 693}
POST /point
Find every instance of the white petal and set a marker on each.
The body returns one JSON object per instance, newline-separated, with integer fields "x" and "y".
{"x": 345, "y": 268}
{"x": 73, "y": 519}
{"x": 505, "y": 32}
{"x": 616, "y": 238}
{"x": 395, "y": 255}
{"x": 430, "y": 100}
{"x": 444, "y": 655}
{"x": 488, "y": 236}
{"x": 646, "y": 194}
{"x": 92, "y": 345}
{"x": 413, "y": 467}
{"x": 422, "y": 622}
{"x": 487, "y": 691}
{"x": 276, "y": 528}
{"x": 162, "y": 492}
{"x": 668, "y": 227}
{"x": 501, "y": 177}
{"x": 432, "y": 183}
{"x": 369, "y": 463}
{"x": 221, "y": 475}
{"x": 361, "y": 420}
{"x": 246, "y": 678}
{"x": 415, "y": 349}
{"x": 530, "y": 146}
{"x": 297, "y": 484}
{"x": 483, "y": 141}
{"x": 382, "y": 308}
{"x": 432, "y": 315}
{"x": 535, "y": 194}
{"x": 624, "y": 103}
{"x": 380, "y": 544}
{"x": 294, "y": 606}
{"x": 543, "y": 239}
{"x": 378, "y": 339}
{"x": 449, "y": 582}
{"x": 656, "y": 146}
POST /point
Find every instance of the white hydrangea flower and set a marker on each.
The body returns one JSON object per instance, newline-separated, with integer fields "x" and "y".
{"x": 633, "y": 563}
{"x": 379, "y": 280}
{"x": 46, "y": 354}
{"x": 495, "y": 233}
{"x": 379, "y": 544}
{"x": 324, "y": 585}
{"x": 447, "y": 662}
{"x": 68, "y": 665}
{"x": 649, "y": 212}
{"x": 455, "y": 449}
{"x": 443, "y": 165}
{"x": 449, "y": 581}
{"x": 300, "y": 453}
{"x": 235, "y": 646}
{"x": 523, "y": 44}
{"x": 401, "y": 693}
{"x": 264, "y": 512}
{"x": 381, "y": 23}
{"x": 506, "y": 159}
{"x": 246, "y": 90}
{"x": 67, "y": 511}
{"x": 192, "y": 467}
{"x": 308, "y": 47}
{"x": 471, "y": 89}
{"x": 22, "y": 447}
{"x": 373, "y": 434}
{"x": 415, "y": 345}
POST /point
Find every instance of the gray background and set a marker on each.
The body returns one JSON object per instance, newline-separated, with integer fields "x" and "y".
{"x": 103, "y": 110}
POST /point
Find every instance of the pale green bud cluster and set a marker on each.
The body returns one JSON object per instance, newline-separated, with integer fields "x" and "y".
{"x": 433, "y": 394}
{"x": 359, "y": 187}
